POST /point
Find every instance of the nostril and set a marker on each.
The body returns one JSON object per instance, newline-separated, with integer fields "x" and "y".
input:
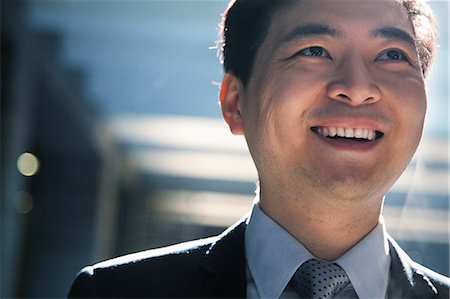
{"x": 343, "y": 96}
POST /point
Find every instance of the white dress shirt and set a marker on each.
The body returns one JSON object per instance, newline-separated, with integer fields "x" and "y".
{"x": 273, "y": 256}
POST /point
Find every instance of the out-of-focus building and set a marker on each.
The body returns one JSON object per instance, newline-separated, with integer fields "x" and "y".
{"x": 112, "y": 140}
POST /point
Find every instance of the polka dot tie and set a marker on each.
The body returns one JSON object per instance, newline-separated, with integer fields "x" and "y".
{"x": 319, "y": 279}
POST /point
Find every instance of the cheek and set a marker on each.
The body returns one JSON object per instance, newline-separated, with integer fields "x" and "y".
{"x": 409, "y": 105}
{"x": 290, "y": 92}
{"x": 273, "y": 111}
{"x": 405, "y": 94}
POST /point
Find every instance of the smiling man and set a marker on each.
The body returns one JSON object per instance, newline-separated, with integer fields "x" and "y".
{"x": 330, "y": 96}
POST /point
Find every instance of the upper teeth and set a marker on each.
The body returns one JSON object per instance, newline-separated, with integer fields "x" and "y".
{"x": 347, "y": 132}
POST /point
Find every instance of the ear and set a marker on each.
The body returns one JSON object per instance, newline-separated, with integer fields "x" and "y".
{"x": 230, "y": 97}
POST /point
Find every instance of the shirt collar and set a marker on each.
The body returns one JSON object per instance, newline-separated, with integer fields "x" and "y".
{"x": 273, "y": 256}
{"x": 367, "y": 264}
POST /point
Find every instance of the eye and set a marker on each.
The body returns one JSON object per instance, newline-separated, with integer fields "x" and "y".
{"x": 314, "y": 51}
{"x": 393, "y": 55}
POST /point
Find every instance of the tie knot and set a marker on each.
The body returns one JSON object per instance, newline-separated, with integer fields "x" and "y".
{"x": 319, "y": 279}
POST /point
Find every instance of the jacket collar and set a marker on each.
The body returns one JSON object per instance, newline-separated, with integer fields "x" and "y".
{"x": 406, "y": 280}
{"x": 225, "y": 263}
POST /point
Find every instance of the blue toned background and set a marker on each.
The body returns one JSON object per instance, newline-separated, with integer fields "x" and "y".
{"x": 116, "y": 102}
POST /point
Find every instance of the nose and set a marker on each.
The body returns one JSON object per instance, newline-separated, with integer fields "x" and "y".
{"x": 354, "y": 84}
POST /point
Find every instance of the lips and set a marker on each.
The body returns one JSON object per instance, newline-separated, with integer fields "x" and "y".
{"x": 347, "y": 133}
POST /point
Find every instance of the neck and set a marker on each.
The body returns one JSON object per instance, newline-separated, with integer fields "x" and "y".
{"x": 327, "y": 228}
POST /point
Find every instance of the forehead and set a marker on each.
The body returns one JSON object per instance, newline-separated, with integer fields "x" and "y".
{"x": 346, "y": 16}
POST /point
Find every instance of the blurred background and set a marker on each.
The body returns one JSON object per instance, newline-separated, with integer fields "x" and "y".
{"x": 112, "y": 140}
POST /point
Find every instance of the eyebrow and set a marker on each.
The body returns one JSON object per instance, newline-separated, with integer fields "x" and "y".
{"x": 389, "y": 32}
{"x": 319, "y": 29}
{"x": 310, "y": 29}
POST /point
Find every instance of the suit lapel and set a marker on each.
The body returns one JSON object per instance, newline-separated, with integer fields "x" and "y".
{"x": 400, "y": 281}
{"x": 225, "y": 264}
{"x": 405, "y": 279}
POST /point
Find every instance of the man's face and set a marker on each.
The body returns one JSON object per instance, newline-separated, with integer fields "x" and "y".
{"x": 328, "y": 69}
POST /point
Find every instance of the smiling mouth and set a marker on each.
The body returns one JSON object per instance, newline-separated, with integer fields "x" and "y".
{"x": 349, "y": 134}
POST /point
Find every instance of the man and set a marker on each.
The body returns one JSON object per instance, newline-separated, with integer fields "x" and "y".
{"x": 330, "y": 96}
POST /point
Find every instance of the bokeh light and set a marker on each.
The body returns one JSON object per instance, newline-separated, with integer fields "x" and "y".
{"x": 23, "y": 202}
{"x": 28, "y": 164}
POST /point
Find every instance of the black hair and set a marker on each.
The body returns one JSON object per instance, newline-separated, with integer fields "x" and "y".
{"x": 245, "y": 24}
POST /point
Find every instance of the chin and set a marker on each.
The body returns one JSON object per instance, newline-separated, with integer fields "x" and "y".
{"x": 357, "y": 188}
{"x": 356, "y": 195}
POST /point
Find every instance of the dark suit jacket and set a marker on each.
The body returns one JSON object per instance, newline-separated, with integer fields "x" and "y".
{"x": 216, "y": 268}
